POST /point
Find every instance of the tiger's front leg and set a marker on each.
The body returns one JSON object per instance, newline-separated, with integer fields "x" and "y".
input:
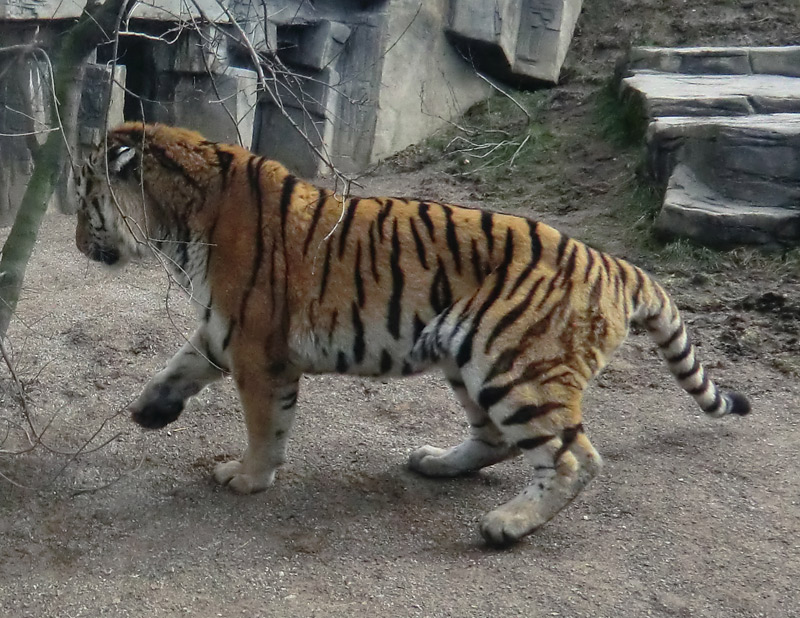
{"x": 268, "y": 394}
{"x": 187, "y": 373}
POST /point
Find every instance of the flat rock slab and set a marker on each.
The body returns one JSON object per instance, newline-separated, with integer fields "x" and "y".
{"x": 672, "y": 94}
{"x": 717, "y": 60}
{"x": 694, "y": 210}
{"x": 757, "y": 157}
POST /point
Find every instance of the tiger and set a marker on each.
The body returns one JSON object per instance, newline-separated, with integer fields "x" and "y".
{"x": 289, "y": 278}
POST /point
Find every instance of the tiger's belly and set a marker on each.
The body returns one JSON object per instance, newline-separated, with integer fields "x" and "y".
{"x": 364, "y": 350}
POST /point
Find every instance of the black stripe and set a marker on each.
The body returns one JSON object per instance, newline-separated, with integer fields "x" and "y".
{"x": 465, "y": 350}
{"x": 606, "y": 264}
{"x": 490, "y": 395}
{"x": 347, "y": 221}
{"x": 373, "y": 253}
{"x": 455, "y": 384}
{"x": 286, "y": 197}
{"x": 359, "y": 346}
{"x": 253, "y": 177}
{"x": 487, "y": 222}
{"x": 512, "y": 316}
{"x": 477, "y": 266}
{"x": 567, "y": 438}
{"x": 386, "y": 361}
{"x": 672, "y": 338}
{"x": 569, "y": 269}
{"x": 536, "y": 254}
{"x": 532, "y": 443}
{"x": 527, "y": 413}
{"x": 315, "y": 219}
{"x": 289, "y": 401}
{"x": 419, "y": 245}
{"x": 452, "y": 238}
{"x": 639, "y": 283}
{"x": 276, "y": 368}
{"x": 701, "y": 388}
{"x": 426, "y": 218}
{"x": 341, "y": 362}
{"x": 387, "y": 208}
{"x": 334, "y": 324}
{"x": 358, "y": 279}
{"x": 589, "y": 264}
{"x": 715, "y": 405}
{"x": 689, "y": 372}
{"x": 623, "y": 274}
{"x": 224, "y": 160}
{"x": 441, "y": 295}
{"x": 393, "y": 318}
{"x": 326, "y": 269}
{"x": 562, "y": 247}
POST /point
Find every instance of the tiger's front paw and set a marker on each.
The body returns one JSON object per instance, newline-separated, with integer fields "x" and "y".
{"x": 158, "y": 409}
{"x": 230, "y": 473}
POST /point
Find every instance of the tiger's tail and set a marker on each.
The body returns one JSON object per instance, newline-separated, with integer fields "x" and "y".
{"x": 663, "y": 321}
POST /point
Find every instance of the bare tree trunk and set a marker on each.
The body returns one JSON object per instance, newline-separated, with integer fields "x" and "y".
{"x": 99, "y": 21}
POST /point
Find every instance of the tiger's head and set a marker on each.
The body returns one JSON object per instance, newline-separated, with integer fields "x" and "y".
{"x": 112, "y": 221}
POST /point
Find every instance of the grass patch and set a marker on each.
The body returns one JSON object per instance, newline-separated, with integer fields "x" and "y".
{"x": 622, "y": 120}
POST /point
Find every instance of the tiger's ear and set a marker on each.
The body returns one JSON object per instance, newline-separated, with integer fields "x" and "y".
{"x": 120, "y": 159}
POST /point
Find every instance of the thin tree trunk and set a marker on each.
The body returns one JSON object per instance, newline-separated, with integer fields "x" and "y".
{"x": 99, "y": 21}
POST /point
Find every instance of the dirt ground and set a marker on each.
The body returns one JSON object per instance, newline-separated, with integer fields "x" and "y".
{"x": 690, "y": 517}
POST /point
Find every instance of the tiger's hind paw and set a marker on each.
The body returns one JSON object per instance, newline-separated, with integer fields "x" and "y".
{"x": 469, "y": 456}
{"x": 230, "y": 473}
{"x": 502, "y": 529}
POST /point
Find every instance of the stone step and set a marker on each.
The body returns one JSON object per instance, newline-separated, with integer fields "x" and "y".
{"x": 723, "y": 136}
{"x": 670, "y": 94}
{"x": 754, "y": 158}
{"x": 694, "y": 210}
{"x": 717, "y": 60}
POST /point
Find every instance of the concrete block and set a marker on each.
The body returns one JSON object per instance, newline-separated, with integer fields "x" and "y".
{"x": 545, "y": 34}
{"x": 97, "y": 112}
{"x": 180, "y": 10}
{"x": 259, "y": 30}
{"x": 306, "y": 103}
{"x": 191, "y": 52}
{"x": 424, "y": 83}
{"x": 314, "y": 46}
{"x": 521, "y": 40}
{"x": 221, "y": 106}
{"x": 488, "y": 24}
{"x": 40, "y": 9}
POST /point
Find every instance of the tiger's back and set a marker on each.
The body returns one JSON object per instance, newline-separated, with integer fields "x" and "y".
{"x": 292, "y": 278}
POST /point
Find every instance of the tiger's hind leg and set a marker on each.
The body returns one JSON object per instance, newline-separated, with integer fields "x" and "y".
{"x": 485, "y": 446}
{"x": 563, "y": 461}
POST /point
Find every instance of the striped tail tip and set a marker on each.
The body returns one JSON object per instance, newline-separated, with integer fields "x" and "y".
{"x": 737, "y": 403}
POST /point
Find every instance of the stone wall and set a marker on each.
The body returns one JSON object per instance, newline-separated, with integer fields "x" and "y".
{"x": 352, "y": 80}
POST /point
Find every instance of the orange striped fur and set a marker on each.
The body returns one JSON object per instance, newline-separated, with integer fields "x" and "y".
{"x": 289, "y": 278}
